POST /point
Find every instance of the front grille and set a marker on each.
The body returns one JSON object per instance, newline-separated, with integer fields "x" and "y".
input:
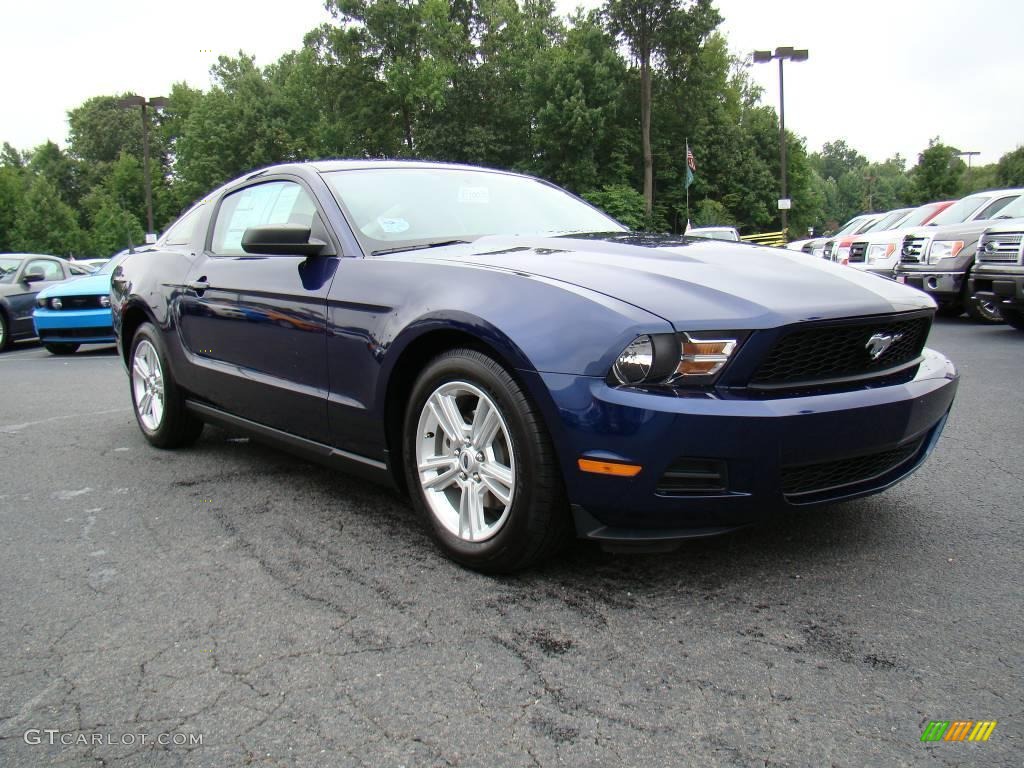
{"x": 915, "y": 249}
{"x": 802, "y": 481}
{"x": 808, "y": 247}
{"x": 76, "y": 333}
{"x": 1000, "y": 248}
{"x": 858, "y": 252}
{"x": 842, "y": 352}
{"x": 78, "y": 302}
{"x": 829, "y": 246}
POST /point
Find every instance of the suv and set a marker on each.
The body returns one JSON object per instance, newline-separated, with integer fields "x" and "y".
{"x": 998, "y": 274}
{"x": 937, "y": 259}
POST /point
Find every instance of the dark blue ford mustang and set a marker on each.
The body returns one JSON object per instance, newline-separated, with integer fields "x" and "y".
{"x": 519, "y": 362}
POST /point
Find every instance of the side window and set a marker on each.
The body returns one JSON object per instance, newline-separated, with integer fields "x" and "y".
{"x": 276, "y": 202}
{"x": 181, "y": 231}
{"x": 50, "y": 270}
{"x": 993, "y": 208}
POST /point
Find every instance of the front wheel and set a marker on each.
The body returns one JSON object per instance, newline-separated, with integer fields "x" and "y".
{"x": 159, "y": 403}
{"x": 5, "y": 338}
{"x": 61, "y": 349}
{"x": 984, "y": 311}
{"x": 1014, "y": 318}
{"x": 480, "y": 466}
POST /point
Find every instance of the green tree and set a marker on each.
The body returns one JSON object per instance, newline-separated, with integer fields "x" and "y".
{"x": 622, "y": 202}
{"x": 1010, "y": 169}
{"x": 45, "y": 223}
{"x": 937, "y": 173}
{"x": 654, "y": 30}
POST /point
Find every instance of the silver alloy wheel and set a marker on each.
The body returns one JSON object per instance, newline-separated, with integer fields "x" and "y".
{"x": 148, "y": 385}
{"x": 989, "y": 310}
{"x": 464, "y": 461}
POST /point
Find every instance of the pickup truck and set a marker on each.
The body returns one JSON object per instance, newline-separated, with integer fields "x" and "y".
{"x": 938, "y": 258}
{"x": 998, "y": 274}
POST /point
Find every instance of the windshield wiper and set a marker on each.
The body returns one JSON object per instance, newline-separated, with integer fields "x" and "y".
{"x": 417, "y": 247}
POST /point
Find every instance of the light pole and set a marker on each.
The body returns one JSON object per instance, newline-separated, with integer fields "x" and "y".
{"x": 761, "y": 57}
{"x": 156, "y": 102}
{"x": 969, "y": 154}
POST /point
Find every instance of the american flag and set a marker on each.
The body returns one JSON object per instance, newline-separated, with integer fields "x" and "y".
{"x": 689, "y": 159}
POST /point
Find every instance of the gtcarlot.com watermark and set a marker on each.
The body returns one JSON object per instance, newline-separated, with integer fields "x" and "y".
{"x": 56, "y": 737}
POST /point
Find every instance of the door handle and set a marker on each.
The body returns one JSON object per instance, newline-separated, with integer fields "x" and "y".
{"x": 198, "y": 286}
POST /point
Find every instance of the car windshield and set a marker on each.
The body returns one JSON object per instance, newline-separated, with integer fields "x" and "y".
{"x": 888, "y": 221}
{"x": 958, "y": 212}
{"x": 395, "y": 208}
{"x": 918, "y": 216}
{"x": 111, "y": 264}
{"x": 865, "y": 226}
{"x": 851, "y": 226}
{"x": 7, "y": 269}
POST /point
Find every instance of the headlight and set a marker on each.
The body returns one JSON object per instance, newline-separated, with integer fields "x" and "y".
{"x": 842, "y": 253}
{"x": 944, "y": 249}
{"x": 56, "y": 303}
{"x": 690, "y": 358}
{"x": 41, "y": 303}
{"x": 104, "y": 300}
{"x": 636, "y": 362}
{"x": 880, "y": 251}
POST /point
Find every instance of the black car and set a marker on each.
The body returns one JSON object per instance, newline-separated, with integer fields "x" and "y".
{"x": 22, "y": 276}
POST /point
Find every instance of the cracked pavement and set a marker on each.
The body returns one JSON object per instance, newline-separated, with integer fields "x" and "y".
{"x": 295, "y": 616}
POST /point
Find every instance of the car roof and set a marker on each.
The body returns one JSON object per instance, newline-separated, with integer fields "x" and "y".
{"x": 327, "y": 166}
{"x": 32, "y": 256}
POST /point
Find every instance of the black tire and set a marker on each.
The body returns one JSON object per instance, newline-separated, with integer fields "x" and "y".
{"x": 61, "y": 349}
{"x": 5, "y": 333}
{"x": 1014, "y": 318}
{"x": 538, "y": 521}
{"x": 984, "y": 311}
{"x": 176, "y": 427}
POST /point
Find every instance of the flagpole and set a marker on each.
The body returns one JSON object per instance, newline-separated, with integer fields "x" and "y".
{"x": 686, "y": 166}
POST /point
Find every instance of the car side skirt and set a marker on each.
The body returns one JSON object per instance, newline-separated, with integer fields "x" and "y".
{"x": 327, "y": 455}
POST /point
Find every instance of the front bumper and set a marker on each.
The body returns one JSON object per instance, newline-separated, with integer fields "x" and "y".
{"x": 1003, "y": 287}
{"x": 759, "y": 444}
{"x": 77, "y": 326}
{"x": 942, "y": 285}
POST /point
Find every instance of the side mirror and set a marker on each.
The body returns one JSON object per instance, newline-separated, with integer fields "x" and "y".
{"x": 33, "y": 277}
{"x": 282, "y": 240}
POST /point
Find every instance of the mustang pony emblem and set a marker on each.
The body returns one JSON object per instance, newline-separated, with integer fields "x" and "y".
{"x": 880, "y": 342}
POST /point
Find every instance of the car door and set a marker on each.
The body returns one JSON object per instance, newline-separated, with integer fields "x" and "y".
{"x": 23, "y": 302}
{"x": 255, "y": 325}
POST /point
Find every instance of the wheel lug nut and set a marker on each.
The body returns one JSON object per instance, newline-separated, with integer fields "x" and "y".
{"x": 480, "y": 456}
{"x": 476, "y": 477}
{"x": 462, "y": 475}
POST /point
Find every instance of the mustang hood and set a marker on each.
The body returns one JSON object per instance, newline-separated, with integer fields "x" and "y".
{"x": 697, "y": 284}
{"x": 91, "y": 285}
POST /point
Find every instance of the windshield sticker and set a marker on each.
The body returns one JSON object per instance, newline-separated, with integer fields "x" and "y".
{"x": 393, "y": 226}
{"x": 474, "y": 195}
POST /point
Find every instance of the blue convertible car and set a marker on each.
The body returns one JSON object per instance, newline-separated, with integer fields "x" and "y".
{"x": 519, "y": 363}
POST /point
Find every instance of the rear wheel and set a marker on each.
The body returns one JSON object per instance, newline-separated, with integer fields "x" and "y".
{"x": 61, "y": 349}
{"x": 5, "y": 336}
{"x": 158, "y": 402}
{"x": 984, "y": 310}
{"x": 480, "y": 466}
{"x": 1013, "y": 317}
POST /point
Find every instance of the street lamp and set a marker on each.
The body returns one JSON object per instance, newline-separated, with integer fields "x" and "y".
{"x": 761, "y": 57}
{"x": 157, "y": 102}
{"x": 969, "y": 154}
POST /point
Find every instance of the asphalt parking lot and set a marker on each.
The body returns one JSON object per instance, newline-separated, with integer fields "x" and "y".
{"x": 290, "y": 616}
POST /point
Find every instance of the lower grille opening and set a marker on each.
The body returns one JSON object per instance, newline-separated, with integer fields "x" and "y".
{"x": 75, "y": 333}
{"x": 694, "y": 477}
{"x": 802, "y": 481}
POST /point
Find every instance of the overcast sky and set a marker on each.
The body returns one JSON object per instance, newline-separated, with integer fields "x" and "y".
{"x": 884, "y": 75}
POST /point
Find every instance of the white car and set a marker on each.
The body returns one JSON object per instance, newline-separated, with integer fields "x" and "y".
{"x": 816, "y": 245}
{"x": 715, "y": 233}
